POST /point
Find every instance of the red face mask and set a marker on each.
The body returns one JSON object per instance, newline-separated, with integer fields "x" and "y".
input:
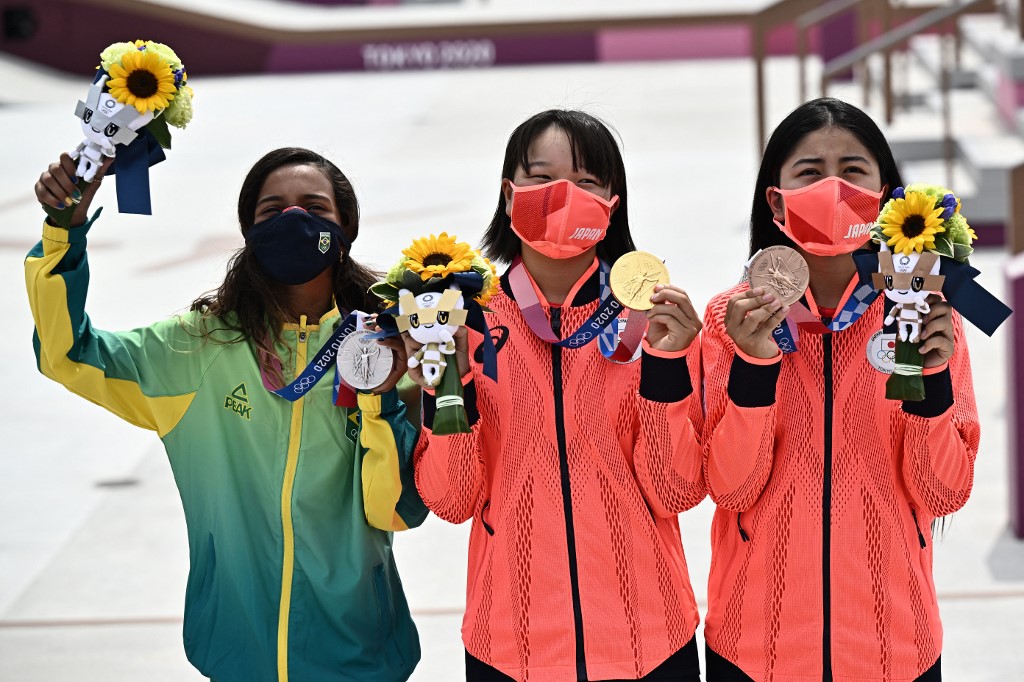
{"x": 559, "y": 219}
{"x": 830, "y": 217}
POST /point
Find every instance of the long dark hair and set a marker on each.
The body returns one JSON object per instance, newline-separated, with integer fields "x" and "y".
{"x": 254, "y": 298}
{"x": 593, "y": 148}
{"x": 825, "y": 112}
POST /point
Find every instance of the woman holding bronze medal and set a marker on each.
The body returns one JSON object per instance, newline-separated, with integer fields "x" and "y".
{"x": 826, "y": 490}
{"x": 281, "y": 476}
{"x": 586, "y": 448}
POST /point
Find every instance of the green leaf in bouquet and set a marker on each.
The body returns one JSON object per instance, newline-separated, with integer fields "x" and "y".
{"x": 412, "y": 282}
{"x": 158, "y": 127}
{"x": 385, "y": 291}
{"x": 961, "y": 252}
{"x": 943, "y": 245}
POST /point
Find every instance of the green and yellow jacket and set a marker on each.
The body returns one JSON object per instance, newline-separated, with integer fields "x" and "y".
{"x": 289, "y": 506}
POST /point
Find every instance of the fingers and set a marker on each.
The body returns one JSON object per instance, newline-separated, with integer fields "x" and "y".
{"x": 93, "y": 187}
{"x": 462, "y": 350}
{"x": 750, "y": 319}
{"x": 670, "y": 298}
{"x": 57, "y": 187}
{"x": 54, "y": 187}
{"x": 411, "y": 348}
{"x": 937, "y": 331}
{"x": 397, "y": 370}
{"x": 751, "y": 313}
{"x": 672, "y": 322}
{"x": 674, "y": 318}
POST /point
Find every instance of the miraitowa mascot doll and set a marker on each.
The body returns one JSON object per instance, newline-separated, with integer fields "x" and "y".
{"x": 924, "y": 247}
{"x": 439, "y": 285}
{"x": 431, "y": 319}
{"x": 139, "y": 90}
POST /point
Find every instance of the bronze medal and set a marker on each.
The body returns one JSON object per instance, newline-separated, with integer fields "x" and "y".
{"x": 781, "y": 270}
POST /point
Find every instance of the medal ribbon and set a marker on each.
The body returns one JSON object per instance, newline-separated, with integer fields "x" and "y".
{"x": 325, "y": 358}
{"x": 601, "y": 323}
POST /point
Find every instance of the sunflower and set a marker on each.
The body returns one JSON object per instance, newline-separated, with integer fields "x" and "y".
{"x": 438, "y": 256}
{"x": 142, "y": 80}
{"x": 490, "y": 274}
{"x": 911, "y": 223}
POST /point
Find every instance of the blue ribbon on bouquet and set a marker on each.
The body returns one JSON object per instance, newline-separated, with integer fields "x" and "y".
{"x": 131, "y": 170}
{"x": 973, "y": 301}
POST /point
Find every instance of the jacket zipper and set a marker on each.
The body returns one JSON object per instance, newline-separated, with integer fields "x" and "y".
{"x": 826, "y": 515}
{"x": 287, "y": 526}
{"x": 563, "y": 466}
{"x": 917, "y": 527}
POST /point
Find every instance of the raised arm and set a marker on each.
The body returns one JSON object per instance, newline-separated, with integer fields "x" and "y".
{"x": 669, "y": 455}
{"x": 740, "y": 386}
{"x": 145, "y": 376}
{"x": 940, "y": 435}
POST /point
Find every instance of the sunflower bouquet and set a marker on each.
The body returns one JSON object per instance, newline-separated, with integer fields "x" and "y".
{"x": 918, "y": 227}
{"x": 139, "y": 90}
{"x": 432, "y": 291}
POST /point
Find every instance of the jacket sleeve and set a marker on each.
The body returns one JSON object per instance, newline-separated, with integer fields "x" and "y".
{"x": 387, "y": 439}
{"x": 739, "y": 426}
{"x": 669, "y": 458}
{"x": 449, "y": 469}
{"x": 147, "y": 376}
{"x": 941, "y": 433}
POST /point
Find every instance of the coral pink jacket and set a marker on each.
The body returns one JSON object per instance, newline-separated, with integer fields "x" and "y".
{"x": 573, "y": 474}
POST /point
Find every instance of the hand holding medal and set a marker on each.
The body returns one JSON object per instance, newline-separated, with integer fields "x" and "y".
{"x": 439, "y": 286}
{"x": 640, "y": 282}
{"x": 139, "y": 89}
{"x": 366, "y": 363}
{"x": 778, "y": 278}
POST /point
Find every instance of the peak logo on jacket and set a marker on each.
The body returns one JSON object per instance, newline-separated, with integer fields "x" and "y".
{"x": 238, "y": 402}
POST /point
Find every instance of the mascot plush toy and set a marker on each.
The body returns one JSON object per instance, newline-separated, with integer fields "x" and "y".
{"x": 432, "y": 320}
{"x": 439, "y": 285}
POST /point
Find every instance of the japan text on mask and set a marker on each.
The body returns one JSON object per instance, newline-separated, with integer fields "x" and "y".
{"x": 558, "y": 219}
{"x": 830, "y": 217}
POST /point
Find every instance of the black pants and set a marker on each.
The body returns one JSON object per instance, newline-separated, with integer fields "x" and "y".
{"x": 682, "y": 666}
{"x": 721, "y": 670}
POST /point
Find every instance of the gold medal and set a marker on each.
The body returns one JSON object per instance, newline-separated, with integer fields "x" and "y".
{"x": 781, "y": 270}
{"x": 634, "y": 277}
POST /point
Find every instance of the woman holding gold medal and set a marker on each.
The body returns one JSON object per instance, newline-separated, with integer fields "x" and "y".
{"x": 826, "y": 490}
{"x": 586, "y": 448}
{"x": 290, "y": 489}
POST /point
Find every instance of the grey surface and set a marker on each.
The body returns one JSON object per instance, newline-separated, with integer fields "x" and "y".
{"x": 92, "y": 576}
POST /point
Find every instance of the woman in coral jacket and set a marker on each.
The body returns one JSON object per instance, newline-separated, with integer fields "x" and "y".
{"x": 290, "y": 503}
{"x": 826, "y": 491}
{"x": 577, "y": 465}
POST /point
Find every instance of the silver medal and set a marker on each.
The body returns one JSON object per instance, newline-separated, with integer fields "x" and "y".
{"x": 362, "y": 362}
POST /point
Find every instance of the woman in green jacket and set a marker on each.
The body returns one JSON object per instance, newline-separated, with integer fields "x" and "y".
{"x": 290, "y": 501}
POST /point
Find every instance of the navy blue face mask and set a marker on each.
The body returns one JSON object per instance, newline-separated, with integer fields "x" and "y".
{"x": 295, "y": 246}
